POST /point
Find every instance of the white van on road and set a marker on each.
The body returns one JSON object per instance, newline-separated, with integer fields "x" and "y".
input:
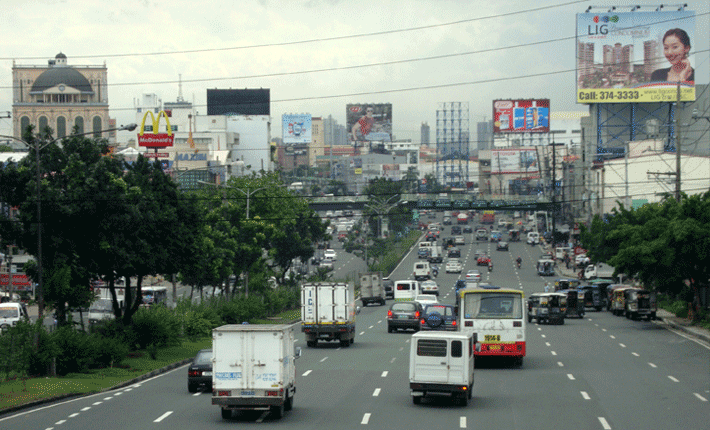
{"x": 406, "y": 291}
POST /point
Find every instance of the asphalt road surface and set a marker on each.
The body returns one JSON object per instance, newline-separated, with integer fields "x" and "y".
{"x": 599, "y": 372}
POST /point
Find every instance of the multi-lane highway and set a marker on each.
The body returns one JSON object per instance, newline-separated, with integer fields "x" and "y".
{"x": 600, "y": 372}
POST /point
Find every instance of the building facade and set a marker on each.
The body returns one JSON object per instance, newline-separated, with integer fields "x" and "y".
{"x": 61, "y": 97}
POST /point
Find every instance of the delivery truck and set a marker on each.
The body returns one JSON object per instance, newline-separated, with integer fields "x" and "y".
{"x": 328, "y": 312}
{"x": 371, "y": 288}
{"x": 253, "y": 368}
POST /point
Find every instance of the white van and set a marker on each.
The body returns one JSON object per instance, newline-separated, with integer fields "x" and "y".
{"x": 533, "y": 238}
{"x": 406, "y": 291}
{"x": 11, "y": 313}
{"x": 560, "y": 252}
{"x": 422, "y": 271}
{"x": 441, "y": 364}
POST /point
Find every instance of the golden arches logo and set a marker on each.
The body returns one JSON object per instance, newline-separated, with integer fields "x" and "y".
{"x": 156, "y": 139}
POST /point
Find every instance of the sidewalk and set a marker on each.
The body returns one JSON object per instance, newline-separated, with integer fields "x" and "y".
{"x": 680, "y": 324}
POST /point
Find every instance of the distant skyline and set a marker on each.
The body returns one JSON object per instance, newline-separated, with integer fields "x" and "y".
{"x": 317, "y": 56}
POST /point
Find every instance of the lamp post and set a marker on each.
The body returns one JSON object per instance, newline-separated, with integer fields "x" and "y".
{"x": 382, "y": 208}
{"x": 37, "y": 147}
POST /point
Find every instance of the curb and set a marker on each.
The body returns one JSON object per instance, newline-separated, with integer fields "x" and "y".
{"x": 77, "y": 395}
{"x": 686, "y": 330}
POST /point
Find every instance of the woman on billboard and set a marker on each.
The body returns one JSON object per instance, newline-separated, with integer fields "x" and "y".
{"x": 676, "y": 45}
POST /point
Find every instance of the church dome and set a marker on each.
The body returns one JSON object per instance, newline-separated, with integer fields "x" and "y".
{"x": 61, "y": 75}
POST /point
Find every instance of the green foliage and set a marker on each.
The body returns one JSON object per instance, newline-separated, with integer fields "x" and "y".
{"x": 75, "y": 350}
{"x": 157, "y": 326}
{"x": 18, "y": 354}
{"x": 108, "y": 352}
{"x": 241, "y": 309}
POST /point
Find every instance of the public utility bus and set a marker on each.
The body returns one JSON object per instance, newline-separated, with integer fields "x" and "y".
{"x": 497, "y": 316}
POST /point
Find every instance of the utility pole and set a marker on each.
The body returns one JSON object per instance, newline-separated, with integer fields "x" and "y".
{"x": 553, "y": 145}
{"x": 677, "y": 144}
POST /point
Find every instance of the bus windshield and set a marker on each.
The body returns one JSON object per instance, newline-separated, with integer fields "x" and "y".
{"x": 493, "y": 306}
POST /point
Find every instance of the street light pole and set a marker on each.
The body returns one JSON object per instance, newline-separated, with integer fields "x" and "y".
{"x": 37, "y": 148}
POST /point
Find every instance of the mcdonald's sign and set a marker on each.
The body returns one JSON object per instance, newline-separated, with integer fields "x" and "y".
{"x": 156, "y": 139}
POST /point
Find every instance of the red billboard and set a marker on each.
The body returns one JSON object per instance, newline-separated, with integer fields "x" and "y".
{"x": 521, "y": 116}
{"x": 156, "y": 139}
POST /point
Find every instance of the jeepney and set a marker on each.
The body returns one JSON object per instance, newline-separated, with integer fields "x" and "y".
{"x": 639, "y": 303}
{"x": 547, "y": 308}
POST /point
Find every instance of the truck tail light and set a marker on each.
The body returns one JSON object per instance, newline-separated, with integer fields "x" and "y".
{"x": 416, "y": 314}
{"x": 272, "y": 393}
{"x": 389, "y": 314}
{"x": 223, "y": 393}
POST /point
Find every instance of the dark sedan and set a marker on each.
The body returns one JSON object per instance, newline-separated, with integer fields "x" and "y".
{"x": 199, "y": 374}
{"x": 404, "y": 315}
{"x": 438, "y": 317}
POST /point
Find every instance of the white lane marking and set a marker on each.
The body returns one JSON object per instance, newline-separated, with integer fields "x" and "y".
{"x": 129, "y": 389}
{"x": 108, "y": 398}
{"x": 393, "y": 359}
{"x": 323, "y": 359}
{"x": 85, "y": 409}
{"x": 97, "y": 403}
{"x": 612, "y": 336}
{"x": 596, "y": 325}
{"x": 585, "y": 396}
{"x": 603, "y": 329}
{"x": 605, "y": 424}
{"x": 118, "y": 394}
{"x": 401, "y": 348}
{"x": 570, "y": 376}
{"x": 307, "y": 372}
{"x": 365, "y": 419}
{"x": 622, "y": 345}
{"x": 262, "y": 416}
{"x": 370, "y": 327}
{"x": 698, "y": 341}
{"x": 672, "y": 378}
{"x": 379, "y": 322}
{"x": 376, "y": 392}
{"x": 547, "y": 343}
{"x": 462, "y": 422}
{"x": 559, "y": 363}
{"x": 589, "y": 319}
{"x": 49, "y": 428}
{"x": 60, "y": 422}
{"x": 553, "y": 352}
{"x": 362, "y": 332}
{"x": 75, "y": 414}
{"x": 197, "y": 394}
{"x": 543, "y": 335}
{"x": 384, "y": 374}
{"x": 539, "y": 329}
{"x": 700, "y": 397}
{"x": 635, "y": 354}
{"x": 162, "y": 417}
{"x": 407, "y": 341}
{"x": 652, "y": 365}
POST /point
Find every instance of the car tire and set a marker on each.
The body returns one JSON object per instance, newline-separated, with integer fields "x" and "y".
{"x": 345, "y": 343}
{"x": 389, "y": 329}
{"x": 311, "y": 343}
{"x": 463, "y": 399}
{"x": 288, "y": 405}
{"x": 278, "y": 411}
{"x": 226, "y": 414}
{"x": 416, "y": 399}
{"x": 191, "y": 388}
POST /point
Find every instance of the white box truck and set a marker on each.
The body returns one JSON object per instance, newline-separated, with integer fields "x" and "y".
{"x": 328, "y": 312}
{"x": 253, "y": 367}
{"x": 441, "y": 364}
{"x": 371, "y": 288}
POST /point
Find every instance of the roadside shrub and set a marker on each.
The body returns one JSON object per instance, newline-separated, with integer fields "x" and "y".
{"x": 241, "y": 309}
{"x": 679, "y": 308}
{"x": 25, "y": 349}
{"x": 108, "y": 352}
{"x": 75, "y": 350}
{"x": 156, "y": 325}
{"x": 197, "y": 326}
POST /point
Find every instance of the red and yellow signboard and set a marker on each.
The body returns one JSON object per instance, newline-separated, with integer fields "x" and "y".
{"x": 155, "y": 139}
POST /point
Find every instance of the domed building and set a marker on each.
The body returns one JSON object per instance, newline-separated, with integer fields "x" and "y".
{"x": 61, "y": 97}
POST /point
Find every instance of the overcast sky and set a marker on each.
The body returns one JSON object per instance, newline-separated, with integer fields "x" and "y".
{"x": 316, "y": 56}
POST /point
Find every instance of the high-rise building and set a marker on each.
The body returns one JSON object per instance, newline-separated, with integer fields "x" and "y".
{"x": 484, "y": 135}
{"x": 61, "y": 97}
{"x": 426, "y": 134}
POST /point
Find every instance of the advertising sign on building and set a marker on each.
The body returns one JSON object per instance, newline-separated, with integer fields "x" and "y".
{"x": 515, "y": 161}
{"x": 521, "y": 116}
{"x": 632, "y": 57}
{"x": 369, "y": 122}
{"x": 155, "y": 138}
{"x": 296, "y": 128}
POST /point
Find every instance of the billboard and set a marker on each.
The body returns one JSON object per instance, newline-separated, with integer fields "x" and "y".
{"x": 239, "y": 102}
{"x": 296, "y": 128}
{"x": 632, "y": 57}
{"x": 155, "y": 138}
{"x": 521, "y": 116}
{"x": 519, "y": 160}
{"x": 369, "y": 122}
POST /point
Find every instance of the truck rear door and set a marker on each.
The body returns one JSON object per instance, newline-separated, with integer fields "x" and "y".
{"x": 431, "y": 362}
{"x": 228, "y": 366}
{"x": 264, "y": 353}
{"x": 308, "y": 304}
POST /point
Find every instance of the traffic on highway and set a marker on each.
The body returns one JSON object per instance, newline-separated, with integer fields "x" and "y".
{"x": 595, "y": 371}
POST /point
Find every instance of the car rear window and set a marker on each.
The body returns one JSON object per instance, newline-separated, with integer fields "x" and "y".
{"x": 443, "y": 310}
{"x": 404, "y": 307}
{"x": 203, "y": 357}
{"x": 431, "y": 348}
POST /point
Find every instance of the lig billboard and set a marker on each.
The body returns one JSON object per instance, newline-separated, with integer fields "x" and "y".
{"x": 368, "y": 122}
{"x": 296, "y": 128}
{"x": 519, "y": 160}
{"x": 521, "y": 116}
{"x": 621, "y": 56}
